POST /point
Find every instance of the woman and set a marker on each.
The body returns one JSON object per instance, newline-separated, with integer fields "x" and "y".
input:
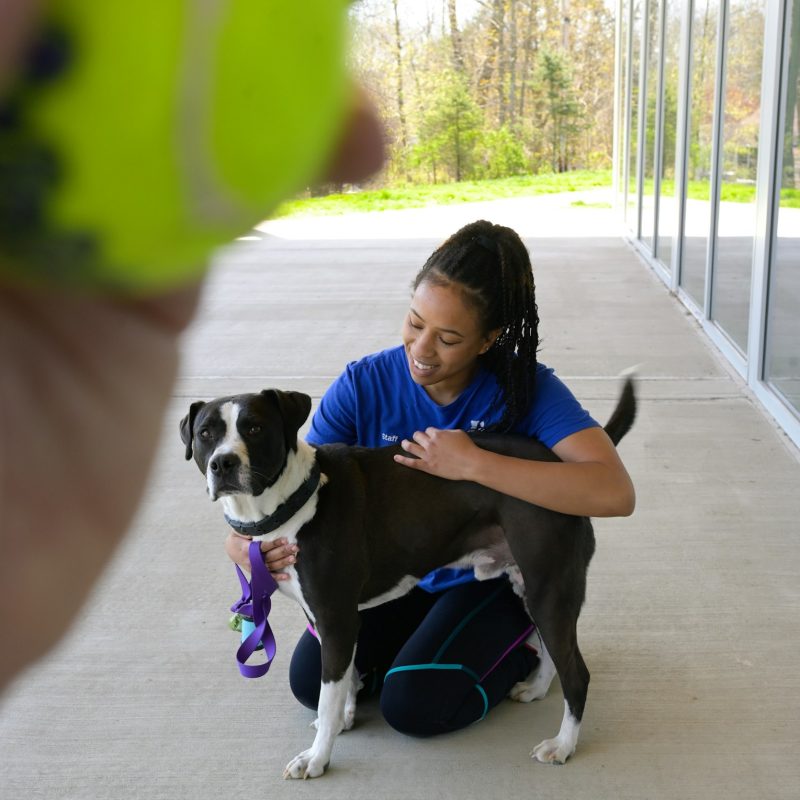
{"x": 453, "y": 648}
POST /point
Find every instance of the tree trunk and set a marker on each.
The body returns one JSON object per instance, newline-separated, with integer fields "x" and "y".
{"x": 455, "y": 38}
{"x": 493, "y": 32}
{"x": 401, "y": 112}
{"x": 502, "y": 61}
{"x": 458, "y": 147}
{"x": 512, "y": 65}
{"x": 528, "y": 46}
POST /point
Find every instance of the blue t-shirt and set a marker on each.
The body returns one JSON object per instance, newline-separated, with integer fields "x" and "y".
{"x": 375, "y": 402}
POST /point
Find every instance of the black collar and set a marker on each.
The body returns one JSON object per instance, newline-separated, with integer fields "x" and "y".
{"x": 284, "y": 512}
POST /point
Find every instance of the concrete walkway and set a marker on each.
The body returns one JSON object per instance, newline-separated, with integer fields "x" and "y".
{"x": 690, "y": 628}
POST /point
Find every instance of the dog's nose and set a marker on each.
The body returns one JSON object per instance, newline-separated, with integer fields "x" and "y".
{"x": 224, "y": 464}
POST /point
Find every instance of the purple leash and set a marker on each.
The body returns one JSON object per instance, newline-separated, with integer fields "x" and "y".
{"x": 255, "y": 603}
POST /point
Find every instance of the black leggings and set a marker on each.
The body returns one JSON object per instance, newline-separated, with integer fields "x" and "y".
{"x": 440, "y": 661}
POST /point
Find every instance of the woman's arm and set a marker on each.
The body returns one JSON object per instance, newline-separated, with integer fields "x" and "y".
{"x": 592, "y": 480}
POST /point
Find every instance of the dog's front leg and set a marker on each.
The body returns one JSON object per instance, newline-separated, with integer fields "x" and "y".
{"x": 356, "y": 686}
{"x": 312, "y": 763}
{"x": 338, "y": 645}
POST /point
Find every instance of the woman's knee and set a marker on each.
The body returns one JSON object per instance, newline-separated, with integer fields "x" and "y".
{"x": 421, "y": 703}
{"x": 305, "y": 671}
{"x": 404, "y": 712}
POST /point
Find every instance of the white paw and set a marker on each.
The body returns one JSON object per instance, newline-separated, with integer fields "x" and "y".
{"x": 552, "y": 751}
{"x": 525, "y": 692}
{"x": 304, "y": 766}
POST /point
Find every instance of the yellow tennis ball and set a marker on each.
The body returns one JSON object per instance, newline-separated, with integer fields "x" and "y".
{"x": 143, "y": 135}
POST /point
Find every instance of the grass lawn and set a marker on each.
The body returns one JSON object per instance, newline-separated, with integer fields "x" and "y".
{"x": 417, "y": 196}
{"x": 446, "y": 193}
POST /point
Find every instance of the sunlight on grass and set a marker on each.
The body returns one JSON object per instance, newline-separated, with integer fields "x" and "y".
{"x": 448, "y": 193}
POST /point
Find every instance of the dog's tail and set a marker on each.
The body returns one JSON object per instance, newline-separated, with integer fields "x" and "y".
{"x": 624, "y": 414}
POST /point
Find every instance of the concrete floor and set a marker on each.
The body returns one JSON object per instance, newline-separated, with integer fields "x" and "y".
{"x": 690, "y": 628}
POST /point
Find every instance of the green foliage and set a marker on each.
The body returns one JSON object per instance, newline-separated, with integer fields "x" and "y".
{"x": 449, "y": 132}
{"x": 501, "y": 154}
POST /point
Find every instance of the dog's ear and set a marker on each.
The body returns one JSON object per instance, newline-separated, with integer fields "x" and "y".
{"x": 187, "y": 427}
{"x": 294, "y": 408}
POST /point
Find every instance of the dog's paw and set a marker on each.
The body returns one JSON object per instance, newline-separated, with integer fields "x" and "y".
{"x": 349, "y": 717}
{"x": 553, "y": 751}
{"x": 527, "y": 691}
{"x": 305, "y": 766}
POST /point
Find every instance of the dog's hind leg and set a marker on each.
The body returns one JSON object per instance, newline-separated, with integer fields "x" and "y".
{"x": 356, "y": 684}
{"x": 337, "y": 684}
{"x": 537, "y": 684}
{"x": 556, "y": 618}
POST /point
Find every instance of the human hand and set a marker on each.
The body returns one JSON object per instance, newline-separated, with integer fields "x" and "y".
{"x": 447, "y": 454}
{"x": 85, "y": 383}
{"x": 277, "y": 555}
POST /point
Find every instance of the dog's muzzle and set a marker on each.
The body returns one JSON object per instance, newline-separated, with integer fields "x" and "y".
{"x": 224, "y": 475}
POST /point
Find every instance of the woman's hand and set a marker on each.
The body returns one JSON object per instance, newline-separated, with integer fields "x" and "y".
{"x": 277, "y": 555}
{"x": 447, "y": 454}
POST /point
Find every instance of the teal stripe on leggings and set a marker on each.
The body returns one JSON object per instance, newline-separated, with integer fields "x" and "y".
{"x": 460, "y": 667}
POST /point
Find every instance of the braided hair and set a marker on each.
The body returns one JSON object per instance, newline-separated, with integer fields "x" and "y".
{"x": 492, "y": 267}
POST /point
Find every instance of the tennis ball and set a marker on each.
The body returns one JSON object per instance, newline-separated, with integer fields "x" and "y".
{"x": 142, "y": 136}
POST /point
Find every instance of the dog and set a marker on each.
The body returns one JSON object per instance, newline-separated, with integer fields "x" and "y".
{"x": 369, "y": 529}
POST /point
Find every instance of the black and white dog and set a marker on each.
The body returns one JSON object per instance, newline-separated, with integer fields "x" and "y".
{"x": 368, "y": 529}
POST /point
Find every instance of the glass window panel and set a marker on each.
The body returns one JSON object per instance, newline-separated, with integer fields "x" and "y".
{"x": 667, "y": 204}
{"x": 736, "y": 224}
{"x": 653, "y": 58}
{"x": 632, "y": 204}
{"x": 705, "y": 22}
{"x": 783, "y": 321}
{"x": 624, "y": 99}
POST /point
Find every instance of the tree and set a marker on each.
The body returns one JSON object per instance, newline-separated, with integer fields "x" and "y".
{"x": 450, "y": 129}
{"x": 562, "y": 112}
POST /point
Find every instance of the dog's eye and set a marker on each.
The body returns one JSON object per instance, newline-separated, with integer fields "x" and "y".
{"x": 204, "y": 434}
{"x": 254, "y": 430}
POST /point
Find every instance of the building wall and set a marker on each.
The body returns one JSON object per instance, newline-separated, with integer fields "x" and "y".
{"x": 707, "y": 173}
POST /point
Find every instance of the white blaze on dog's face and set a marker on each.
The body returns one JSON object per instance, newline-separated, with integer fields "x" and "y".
{"x": 228, "y": 466}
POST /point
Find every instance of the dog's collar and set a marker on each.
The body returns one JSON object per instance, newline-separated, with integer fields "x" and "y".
{"x": 284, "y": 512}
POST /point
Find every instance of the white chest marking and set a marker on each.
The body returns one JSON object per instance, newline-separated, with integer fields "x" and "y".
{"x": 246, "y": 508}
